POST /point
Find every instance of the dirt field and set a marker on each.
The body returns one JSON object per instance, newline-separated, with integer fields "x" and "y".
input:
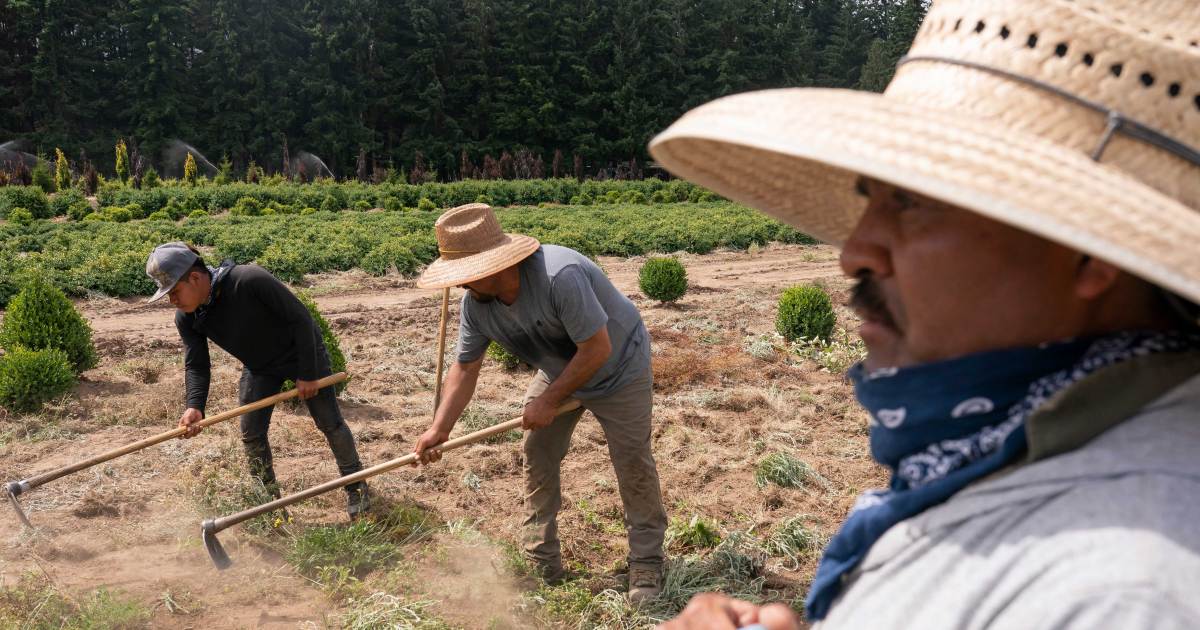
{"x": 132, "y": 526}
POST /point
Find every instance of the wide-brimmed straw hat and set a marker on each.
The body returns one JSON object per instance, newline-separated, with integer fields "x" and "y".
{"x": 1077, "y": 120}
{"x": 473, "y": 246}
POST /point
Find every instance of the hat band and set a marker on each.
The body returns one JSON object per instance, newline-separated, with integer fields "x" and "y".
{"x": 1117, "y": 122}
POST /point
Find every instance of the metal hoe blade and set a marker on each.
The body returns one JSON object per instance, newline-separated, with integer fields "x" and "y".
{"x": 14, "y": 489}
{"x": 215, "y": 551}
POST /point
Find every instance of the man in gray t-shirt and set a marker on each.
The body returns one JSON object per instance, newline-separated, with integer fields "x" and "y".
{"x": 556, "y": 310}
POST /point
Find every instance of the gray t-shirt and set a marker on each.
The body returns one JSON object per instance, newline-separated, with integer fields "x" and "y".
{"x": 564, "y": 300}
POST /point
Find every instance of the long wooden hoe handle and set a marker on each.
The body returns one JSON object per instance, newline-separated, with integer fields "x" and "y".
{"x": 213, "y": 526}
{"x": 49, "y": 476}
{"x": 437, "y": 388}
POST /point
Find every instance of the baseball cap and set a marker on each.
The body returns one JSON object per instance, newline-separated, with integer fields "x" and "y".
{"x": 167, "y": 264}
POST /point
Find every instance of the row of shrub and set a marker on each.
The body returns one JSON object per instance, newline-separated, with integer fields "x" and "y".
{"x": 109, "y": 258}
{"x": 179, "y": 200}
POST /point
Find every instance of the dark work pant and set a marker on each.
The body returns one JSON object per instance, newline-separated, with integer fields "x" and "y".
{"x": 325, "y": 413}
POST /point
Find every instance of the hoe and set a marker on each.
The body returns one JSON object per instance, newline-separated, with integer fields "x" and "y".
{"x": 210, "y": 527}
{"x": 15, "y": 489}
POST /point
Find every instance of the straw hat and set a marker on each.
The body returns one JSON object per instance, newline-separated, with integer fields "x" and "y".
{"x": 473, "y": 246}
{"x": 1077, "y": 120}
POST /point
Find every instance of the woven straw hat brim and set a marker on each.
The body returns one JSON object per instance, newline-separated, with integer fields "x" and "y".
{"x": 796, "y": 153}
{"x": 443, "y": 272}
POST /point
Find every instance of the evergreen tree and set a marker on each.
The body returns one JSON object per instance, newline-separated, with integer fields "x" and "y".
{"x": 122, "y": 154}
{"x": 189, "y": 170}
{"x": 62, "y": 171}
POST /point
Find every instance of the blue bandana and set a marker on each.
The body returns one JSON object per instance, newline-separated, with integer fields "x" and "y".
{"x": 940, "y": 426}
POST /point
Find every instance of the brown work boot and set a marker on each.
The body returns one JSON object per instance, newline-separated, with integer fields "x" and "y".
{"x": 552, "y": 573}
{"x": 645, "y": 583}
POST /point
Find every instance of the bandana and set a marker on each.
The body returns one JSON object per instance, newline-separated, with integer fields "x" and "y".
{"x": 940, "y": 426}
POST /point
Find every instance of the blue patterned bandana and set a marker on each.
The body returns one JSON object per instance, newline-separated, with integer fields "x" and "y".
{"x": 940, "y": 426}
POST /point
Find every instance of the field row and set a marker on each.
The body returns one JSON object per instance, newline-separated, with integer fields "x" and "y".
{"x": 109, "y": 257}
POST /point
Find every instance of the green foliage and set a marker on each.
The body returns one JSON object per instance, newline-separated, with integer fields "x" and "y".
{"x": 118, "y": 214}
{"x": 794, "y": 539}
{"x": 150, "y": 179}
{"x": 392, "y": 204}
{"x": 189, "y": 170}
{"x": 663, "y": 279}
{"x": 31, "y": 198}
{"x": 786, "y": 471}
{"x": 29, "y": 378}
{"x": 60, "y": 204}
{"x": 40, "y": 317}
{"x": 391, "y": 255}
{"x": 225, "y": 174}
{"x": 197, "y": 214}
{"x": 42, "y": 177}
{"x": 477, "y": 418}
{"x": 62, "y": 171}
{"x": 122, "y": 157}
{"x": 246, "y": 207}
{"x": 78, "y": 210}
{"x": 330, "y": 204}
{"x": 362, "y": 546}
{"x": 33, "y": 602}
{"x": 805, "y": 312}
{"x": 362, "y": 205}
{"x": 161, "y": 215}
{"x": 337, "y": 359}
{"x": 501, "y": 355}
{"x": 20, "y": 216}
{"x": 696, "y": 533}
{"x": 307, "y": 211}
{"x": 426, "y": 205}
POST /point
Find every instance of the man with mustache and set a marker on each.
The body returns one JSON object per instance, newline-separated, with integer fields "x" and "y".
{"x": 1021, "y": 209}
{"x": 558, "y": 312}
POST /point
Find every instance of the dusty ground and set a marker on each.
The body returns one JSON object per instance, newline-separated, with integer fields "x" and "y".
{"x": 132, "y": 525}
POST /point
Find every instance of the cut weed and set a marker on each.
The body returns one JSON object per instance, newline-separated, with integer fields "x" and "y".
{"x": 786, "y": 471}
{"x": 382, "y": 610}
{"x": 793, "y": 540}
{"x": 476, "y": 418}
{"x": 35, "y": 603}
{"x": 693, "y": 534}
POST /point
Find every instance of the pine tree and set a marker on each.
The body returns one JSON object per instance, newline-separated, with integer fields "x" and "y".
{"x": 62, "y": 171}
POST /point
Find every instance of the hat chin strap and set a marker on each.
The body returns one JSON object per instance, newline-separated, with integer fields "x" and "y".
{"x": 1117, "y": 122}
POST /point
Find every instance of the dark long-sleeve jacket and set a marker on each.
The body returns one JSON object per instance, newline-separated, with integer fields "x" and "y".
{"x": 254, "y": 317}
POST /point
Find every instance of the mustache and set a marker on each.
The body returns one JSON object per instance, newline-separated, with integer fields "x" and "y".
{"x": 866, "y": 299}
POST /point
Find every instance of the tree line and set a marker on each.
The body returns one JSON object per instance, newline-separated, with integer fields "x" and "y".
{"x": 444, "y": 87}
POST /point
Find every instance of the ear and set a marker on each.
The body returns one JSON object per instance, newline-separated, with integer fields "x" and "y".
{"x": 1094, "y": 277}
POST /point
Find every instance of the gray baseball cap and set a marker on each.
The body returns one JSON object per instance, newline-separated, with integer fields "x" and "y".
{"x": 167, "y": 264}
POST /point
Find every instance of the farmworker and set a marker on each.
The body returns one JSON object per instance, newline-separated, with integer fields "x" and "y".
{"x": 1020, "y": 209}
{"x": 254, "y": 317}
{"x": 557, "y": 311}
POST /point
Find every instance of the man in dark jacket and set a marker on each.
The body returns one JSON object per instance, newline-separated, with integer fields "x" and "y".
{"x": 254, "y": 317}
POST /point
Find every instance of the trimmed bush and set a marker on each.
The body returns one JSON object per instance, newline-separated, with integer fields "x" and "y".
{"x": 501, "y": 355}
{"x": 337, "y": 360}
{"x": 426, "y": 204}
{"x": 40, "y": 317}
{"x": 388, "y": 255}
{"x": 95, "y": 217}
{"x": 20, "y": 216}
{"x": 78, "y": 210}
{"x": 29, "y": 197}
{"x": 362, "y": 205}
{"x": 392, "y": 204}
{"x": 197, "y": 214}
{"x": 29, "y": 378}
{"x": 150, "y": 179}
{"x": 42, "y": 177}
{"x": 663, "y": 279}
{"x": 246, "y": 207}
{"x": 117, "y": 214}
{"x": 61, "y": 203}
{"x": 805, "y": 312}
{"x": 161, "y": 215}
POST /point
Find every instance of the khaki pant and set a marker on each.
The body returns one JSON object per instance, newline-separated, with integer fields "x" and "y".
{"x": 625, "y": 418}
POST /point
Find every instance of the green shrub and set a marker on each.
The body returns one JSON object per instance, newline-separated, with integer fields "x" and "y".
{"x": 660, "y": 196}
{"x": 136, "y": 210}
{"x": 161, "y": 215}
{"x": 189, "y": 170}
{"x": 633, "y": 196}
{"x": 118, "y": 214}
{"x": 31, "y": 198}
{"x": 29, "y": 378}
{"x": 122, "y": 156}
{"x": 392, "y": 204}
{"x": 805, "y": 312}
{"x": 246, "y": 207}
{"x": 307, "y": 211}
{"x": 362, "y": 205}
{"x": 501, "y": 355}
{"x": 61, "y": 203}
{"x": 663, "y": 279}
{"x": 612, "y": 196}
{"x": 40, "y": 317}
{"x": 20, "y": 216}
{"x": 197, "y": 214}
{"x": 425, "y": 204}
{"x": 388, "y": 255}
{"x": 483, "y": 199}
{"x": 176, "y": 209}
{"x": 150, "y": 179}
{"x": 42, "y": 177}
{"x": 78, "y": 210}
{"x": 95, "y": 217}
{"x": 330, "y": 204}
{"x": 62, "y": 171}
{"x": 337, "y": 360}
